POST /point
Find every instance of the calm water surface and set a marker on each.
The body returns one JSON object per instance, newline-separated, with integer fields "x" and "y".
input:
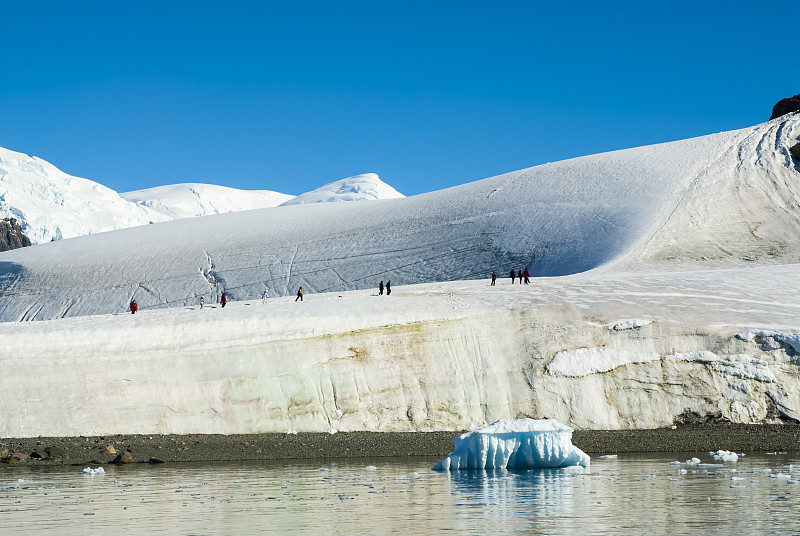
{"x": 632, "y": 494}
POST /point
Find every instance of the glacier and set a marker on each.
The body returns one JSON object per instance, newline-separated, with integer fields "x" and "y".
{"x": 517, "y": 444}
{"x": 665, "y": 291}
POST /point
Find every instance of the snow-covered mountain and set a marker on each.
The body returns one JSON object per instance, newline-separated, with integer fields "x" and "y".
{"x": 367, "y": 186}
{"x": 178, "y": 201}
{"x": 666, "y": 291}
{"x": 50, "y": 204}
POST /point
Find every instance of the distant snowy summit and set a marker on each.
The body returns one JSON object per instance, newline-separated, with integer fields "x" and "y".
{"x": 192, "y": 199}
{"x": 367, "y": 186}
{"x": 50, "y": 205}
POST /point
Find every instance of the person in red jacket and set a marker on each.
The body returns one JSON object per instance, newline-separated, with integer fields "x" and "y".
{"x": 223, "y": 299}
{"x": 527, "y": 275}
{"x": 133, "y": 307}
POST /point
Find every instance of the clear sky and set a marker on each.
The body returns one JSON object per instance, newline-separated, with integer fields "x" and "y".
{"x": 287, "y": 96}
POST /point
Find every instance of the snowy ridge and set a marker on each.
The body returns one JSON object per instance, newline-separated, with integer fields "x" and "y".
{"x": 192, "y": 199}
{"x": 364, "y": 187}
{"x": 664, "y": 205}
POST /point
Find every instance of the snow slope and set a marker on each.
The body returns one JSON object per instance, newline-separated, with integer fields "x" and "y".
{"x": 357, "y": 188}
{"x": 724, "y": 198}
{"x": 189, "y": 200}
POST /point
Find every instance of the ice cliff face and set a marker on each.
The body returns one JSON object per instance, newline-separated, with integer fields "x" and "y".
{"x": 448, "y": 356}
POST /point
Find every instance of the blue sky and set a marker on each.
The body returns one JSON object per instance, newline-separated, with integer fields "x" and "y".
{"x": 287, "y": 96}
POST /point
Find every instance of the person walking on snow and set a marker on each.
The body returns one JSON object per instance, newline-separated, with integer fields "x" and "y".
{"x": 202, "y": 301}
{"x": 133, "y": 307}
{"x": 513, "y": 275}
{"x": 299, "y": 294}
{"x": 380, "y": 288}
{"x": 388, "y": 287}
{"x": 494, "y": 278}
{"x": 519, "y": 274}
{"x": 264, "y": 296}
{"x": 527, "y": 275}
{"x": 223, "y": 299}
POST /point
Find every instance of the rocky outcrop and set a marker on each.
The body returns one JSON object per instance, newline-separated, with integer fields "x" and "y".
{"x": 11, "y": 235}
{"x": 786, "y": 106}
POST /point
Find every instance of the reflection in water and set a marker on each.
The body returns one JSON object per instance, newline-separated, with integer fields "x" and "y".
{"x": 629, "y": 495}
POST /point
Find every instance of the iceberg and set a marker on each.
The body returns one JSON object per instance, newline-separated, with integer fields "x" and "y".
{"x": 516, "y": 444}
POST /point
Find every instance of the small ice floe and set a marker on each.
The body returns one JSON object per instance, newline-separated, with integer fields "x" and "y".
{"x": 725, "y": 456}
{"x": 291, "y": 432}
{"x": 370, "y": 468}
{"x": 94, "y": 471}
{"x": 331, "y": 431}
{"x": 608, "y": 457}
{"x": 708, "y": 465}
{"x": 785, "y": 476}
{"x": 693, "y": 461}
{"x": 516, "y": 444}
{"x": 682, "y": 471}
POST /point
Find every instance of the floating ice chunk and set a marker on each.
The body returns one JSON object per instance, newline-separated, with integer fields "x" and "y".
{"x": 517, "y": 444}
{"x": 693, "y": 461}
{"x": 725, "y": 456}
{"x": 608, "y": 457}
{"x": 291, "y": 432}
{"x": 95, "y": 471}
{"x": 370, "y": 468}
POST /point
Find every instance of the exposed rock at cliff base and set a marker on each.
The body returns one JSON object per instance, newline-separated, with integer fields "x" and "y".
{"x": 11, "y": 235}
{"x": 786, "y": 106}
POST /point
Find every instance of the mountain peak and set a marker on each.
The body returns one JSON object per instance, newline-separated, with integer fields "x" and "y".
{"x": 364, "y": 187}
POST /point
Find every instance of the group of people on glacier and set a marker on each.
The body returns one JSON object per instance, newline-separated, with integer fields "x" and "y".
{"x": 514, "y": 274}
{"x": 523, "y": 275}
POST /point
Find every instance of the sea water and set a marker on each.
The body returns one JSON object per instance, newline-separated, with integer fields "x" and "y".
{"x": 629, "y": 494}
